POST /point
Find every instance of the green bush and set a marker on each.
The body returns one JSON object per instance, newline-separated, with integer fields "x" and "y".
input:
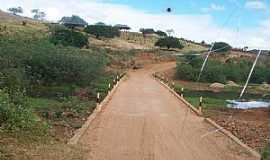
{"x": 40, "y": 62}
{"x": 266, "y": 152}
{"x": 68, "y": 37}
{"x": 221, "y": 47}
{"x": 216, "y": 71}
{"x": 103, "y": 31}
{"x": 13, "y": 78}
{"x": 169, "y": 42}
{"x": 16, "y": 116}
{"x": 60, "y": 68}
{"x": 186, "y": 72}
{"x": 161, "y": 33}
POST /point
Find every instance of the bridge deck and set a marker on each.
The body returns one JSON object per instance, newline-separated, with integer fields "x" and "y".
{"x": 144, "y": 121}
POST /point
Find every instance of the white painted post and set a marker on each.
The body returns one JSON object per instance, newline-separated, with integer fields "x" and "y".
{"x": 182, "y": 92}
{"x": 200, "y": 104}
{"x": 109, "y": 88}
{"x": 98, "y": 98}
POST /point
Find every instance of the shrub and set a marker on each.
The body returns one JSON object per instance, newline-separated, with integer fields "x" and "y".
{"x": 69, "y": 38}
{"x": 161, "y": 33}
{"x": 61, "y": 67}
{"x": 39, "y": 62}
{"x": 102, "y": 31}
{"x": 221, "y": 47}
{"x": 13, "y": 78}
{"x": 266, "y": 152}
{"x": 216, "y": 71}
{"x": 16, "y": 115}
{"x": 186, "y": 72}
{"x": 169, "y": 42}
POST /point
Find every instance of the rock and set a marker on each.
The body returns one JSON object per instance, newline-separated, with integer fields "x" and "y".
{"x": 217, "y": 85}
{"x": 232, "y": 84}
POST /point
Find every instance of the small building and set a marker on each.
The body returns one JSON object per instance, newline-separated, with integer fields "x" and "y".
{"x": 122, "y": 27}
{"x": 100, "y": 24}
{"x": 74, "y": 21}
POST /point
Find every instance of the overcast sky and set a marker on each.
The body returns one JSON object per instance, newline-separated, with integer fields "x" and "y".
{"x": 238, "y": 22}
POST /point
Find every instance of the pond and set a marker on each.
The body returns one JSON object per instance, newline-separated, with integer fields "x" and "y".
{"x": 248, "y": 104}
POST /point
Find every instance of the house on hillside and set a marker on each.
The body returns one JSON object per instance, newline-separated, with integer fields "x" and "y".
{"x": 74, "y": 21}
{"x": 122, "y": 27}
{"x": 100, "y": 24}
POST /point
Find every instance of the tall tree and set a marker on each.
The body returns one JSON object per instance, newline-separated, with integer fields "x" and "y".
{"x": 169, "y": 42}
{"x": 74, "y": 21}
{"x": 38, "y": 15}
{"x": 102, "y": 31}
{"x": 16, "y": 10}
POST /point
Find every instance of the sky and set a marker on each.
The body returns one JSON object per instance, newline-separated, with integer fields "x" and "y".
{"x": 238, "y": 22}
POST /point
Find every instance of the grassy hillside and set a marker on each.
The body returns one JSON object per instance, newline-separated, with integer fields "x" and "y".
{"x": 46, "y": 91}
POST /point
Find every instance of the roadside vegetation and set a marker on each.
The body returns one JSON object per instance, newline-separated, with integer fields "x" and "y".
{"x": 236, "y": 70}
{"x": 48, "y": 83}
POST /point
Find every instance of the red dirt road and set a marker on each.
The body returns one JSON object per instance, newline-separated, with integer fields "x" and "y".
{"x": 144, "y": 121}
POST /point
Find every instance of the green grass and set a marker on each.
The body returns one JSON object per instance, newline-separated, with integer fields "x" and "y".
{"x": 207, "y": 102}
{"x": 214, "y": 99}
{"x": 266, "y": 152}
{"x": 39, "y": 103}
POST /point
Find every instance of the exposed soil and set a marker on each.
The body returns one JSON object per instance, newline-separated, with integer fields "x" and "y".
{"x": 251, "y": 126}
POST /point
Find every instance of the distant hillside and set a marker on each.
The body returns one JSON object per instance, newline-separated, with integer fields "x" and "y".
{"x": 4, "y": 16}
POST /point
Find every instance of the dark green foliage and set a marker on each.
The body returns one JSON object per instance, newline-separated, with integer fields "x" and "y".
{"x": 34, "y": 67}
{"x": 169, "y": 42}
{"x": 69, "y": 38}
{"x": 61, "y": 67}
{"x": 161, "y": 33}
{"x": 16, "y": 116}
{"x": 147, "y": 31}
{"x": 266, "y": 152}
{"x": 216, "y": 71}
{"x": 221, "y": 47}
{"x": 24, "y": 64}
{"x": 103, "y": 31}
{"x": 187, "y": 72}
{"x": 16, "y": 10}
{"x": 74, "y": 21}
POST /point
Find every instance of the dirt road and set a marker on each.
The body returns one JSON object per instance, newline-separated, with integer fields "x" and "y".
{"x": 144, "y": 121}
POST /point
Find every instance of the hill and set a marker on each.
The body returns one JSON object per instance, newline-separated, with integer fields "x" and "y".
{"x": 4, "y": 16}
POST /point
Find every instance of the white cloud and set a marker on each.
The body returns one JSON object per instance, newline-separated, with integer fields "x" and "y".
{"x": 256, "y": 5}
{"x": 213, "y": 7}
{"x": 194, "y": 27}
